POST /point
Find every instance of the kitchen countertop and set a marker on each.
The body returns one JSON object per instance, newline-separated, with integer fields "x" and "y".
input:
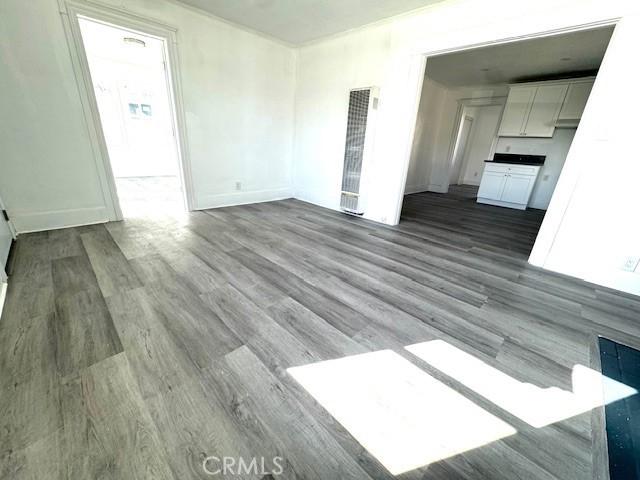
{"x": 518, "y": 159}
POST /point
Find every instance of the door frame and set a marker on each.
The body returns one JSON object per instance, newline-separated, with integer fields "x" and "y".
{"x": 70, "y": 10}
{"x": 417, "y": 69}
{"x": 474, "y": 102}
{"x": 456, "y": 145}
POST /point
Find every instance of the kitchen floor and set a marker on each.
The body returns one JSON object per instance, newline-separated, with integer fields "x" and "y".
{"x": 314, "y": 344}
{"x": 458, "y": 214}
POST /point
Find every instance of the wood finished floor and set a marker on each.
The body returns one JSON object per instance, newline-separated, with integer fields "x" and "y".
{"x": 135, "y": 349}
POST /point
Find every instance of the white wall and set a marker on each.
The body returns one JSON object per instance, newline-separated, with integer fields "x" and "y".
{"x": 591, "y": 227}
{"x": 483, "y": 134}
{"x": 238, "y": 91}
{"x": 429, "y": 167}
{"x": 49, "y": 176}
{"x": 555, "y": 149}
{"x": 325, "y": 76}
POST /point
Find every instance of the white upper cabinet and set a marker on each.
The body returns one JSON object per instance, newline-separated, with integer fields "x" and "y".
{"x": 576, "y": 100}
{"x": 535, "y": 109}
{"x": 516, "y": 111}
{"x": 545, "y": 110}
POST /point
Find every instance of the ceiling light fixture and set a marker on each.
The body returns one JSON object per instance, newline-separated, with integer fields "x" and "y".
{"x": 134, "y": 41}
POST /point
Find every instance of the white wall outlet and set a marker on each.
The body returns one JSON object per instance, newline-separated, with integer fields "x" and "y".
{"x": 238, "y": 185}
{"x": 545, "y": 177}
{"x": 475, "y": 174}
{"x": 507, "y": 148}
{"x": 630, "y": 264}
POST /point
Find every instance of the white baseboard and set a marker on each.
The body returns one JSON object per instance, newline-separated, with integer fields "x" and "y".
{"x": 433, "y": 187}
{"x": 25, "y": 222}
{"x": 319, "y": 198}
{"x": 499, "y": 203}
{"x": 242, "y": 198}
{"x": 409, "y": 189}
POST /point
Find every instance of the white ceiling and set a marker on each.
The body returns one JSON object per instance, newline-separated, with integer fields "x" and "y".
{"x": 300, "y": 21}
{"x": 518, "y": 61}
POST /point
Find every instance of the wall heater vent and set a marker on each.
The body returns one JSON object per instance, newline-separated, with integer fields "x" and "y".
{"x": 362, "y": 102}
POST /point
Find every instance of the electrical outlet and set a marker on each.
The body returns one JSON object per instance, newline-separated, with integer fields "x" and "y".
{"x": 630, "y": 264}
{"x": 238, "y": 186}
{"x": 507, "y": 148}
{"x": 545, "y": 178}
{"x": 475, "y": 174}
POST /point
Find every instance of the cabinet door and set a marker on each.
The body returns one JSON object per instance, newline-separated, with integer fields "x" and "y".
{"x": 516, "y": 110}
{"x": 575, "y": 101}
{"x": 545, "y": 110}
{"x": 491, "y": 185}
{"x": 517, "y": 188}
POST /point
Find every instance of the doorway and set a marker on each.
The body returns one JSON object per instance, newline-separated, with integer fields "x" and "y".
{"x": 130, "y": 80}
{"x": 526, "y": 99}
{"x": 460, "y": 149}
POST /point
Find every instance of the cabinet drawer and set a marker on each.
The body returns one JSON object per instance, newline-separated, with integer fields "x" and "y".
{"x": 523, "y": 169}
{"x": 511, "y": 168}
{"x": 497, "y": 167}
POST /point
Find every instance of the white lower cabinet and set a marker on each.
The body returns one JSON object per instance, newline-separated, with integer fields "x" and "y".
{"x": 507, "y": 185}
{"x": 492, "y": 185}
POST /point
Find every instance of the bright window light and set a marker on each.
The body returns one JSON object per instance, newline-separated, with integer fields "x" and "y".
{"x": 534, "y": 405}
{"x": 403, "y": 416}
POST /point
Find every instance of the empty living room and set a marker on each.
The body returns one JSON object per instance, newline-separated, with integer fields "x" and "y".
{"x": 319, "y": 239}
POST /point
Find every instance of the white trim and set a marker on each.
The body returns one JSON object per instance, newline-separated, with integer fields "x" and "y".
{"x": 242, "y": 198}
{"x": 437, "y": 188}
{"x": 500, "y": 203}
{"x": 231, "y": 23}
{"x": 3, "y": 289}
{"x": 70, "y": 10}
{"x": 54, "y": 219}
{"x": 12, "y": 227}
{"x": 419, "y": 68}
{"x": 474, "y": 102}
{"x": 498, "y": 101}
{"x": 416, "y": 189}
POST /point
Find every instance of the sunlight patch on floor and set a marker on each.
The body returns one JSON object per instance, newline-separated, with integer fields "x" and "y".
{"x": 534, "y": 405}
{"x": 403, "y": 416}
{"x": 150, "y": 197}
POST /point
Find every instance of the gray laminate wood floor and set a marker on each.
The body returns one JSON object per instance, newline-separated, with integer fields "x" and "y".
{"x": 138, "y": 349}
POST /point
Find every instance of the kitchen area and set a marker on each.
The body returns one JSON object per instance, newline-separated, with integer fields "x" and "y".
{"x": 537, "y": 126}
{"x": 493, "y": 130}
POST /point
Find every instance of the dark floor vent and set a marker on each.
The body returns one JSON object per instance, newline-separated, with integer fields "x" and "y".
{"x": 622, "y": 364}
